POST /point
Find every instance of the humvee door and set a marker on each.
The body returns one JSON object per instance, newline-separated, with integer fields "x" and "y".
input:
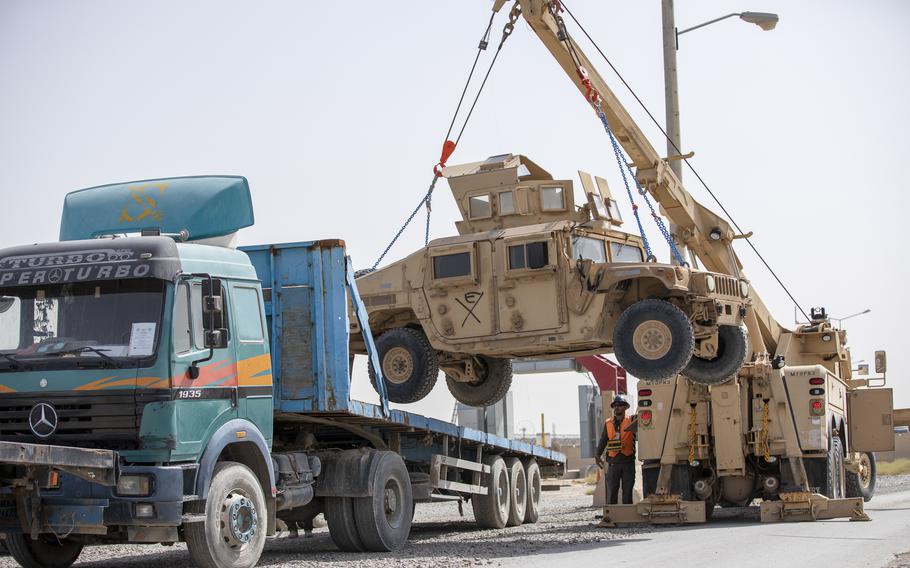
{"x": 458, "y": 290}
{"x": 527, "y": 270}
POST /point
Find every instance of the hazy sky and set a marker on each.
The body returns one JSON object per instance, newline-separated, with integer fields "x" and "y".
{"x": 335, "y": 111}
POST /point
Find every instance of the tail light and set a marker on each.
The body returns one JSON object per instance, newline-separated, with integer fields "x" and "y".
{"x": 817, "y": 406}
{"x": 645, "y": 417}
{"x": 817, "y": 391}
{"x": 816, "y": 381}
{"x": 644, "y": 392}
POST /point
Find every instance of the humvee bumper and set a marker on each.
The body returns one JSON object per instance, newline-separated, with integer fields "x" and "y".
{"x": 795, "y": 507}
{"x": 655, "y": 510}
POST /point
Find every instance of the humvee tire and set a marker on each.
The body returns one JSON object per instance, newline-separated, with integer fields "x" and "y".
{"x": 653, "y": 340}
{"x": 409, "y": 364}
{"x": 732, "y": 350}
{"x": 862, "y": 484}
{"x": 489, "y": 389}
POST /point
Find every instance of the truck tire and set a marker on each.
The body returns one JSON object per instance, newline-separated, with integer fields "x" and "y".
{"x": 862, "y": 484}
{"x": 235, "y": 526}
{"x": 384, "y": 518}
{"x": 339, "y": 515}
{"x": 491, "y": 511}
{"x": 44, "y": 552}
{"x": 653, "y": 340}
{"x": 493, "y": 383}
{"x": 409, "y": 364}
{"x": 827, "y": 474}
{"x": 532, "y": 475}
{"x": 732, "y": 350}
{"x": 518, "y": 492}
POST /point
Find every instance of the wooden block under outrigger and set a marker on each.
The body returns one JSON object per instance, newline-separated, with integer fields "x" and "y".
{"x": 655, "y": 509}
{"x": 802, "y": 506}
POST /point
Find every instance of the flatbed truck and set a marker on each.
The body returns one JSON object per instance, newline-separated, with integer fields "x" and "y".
{"x": 169, "y": 387}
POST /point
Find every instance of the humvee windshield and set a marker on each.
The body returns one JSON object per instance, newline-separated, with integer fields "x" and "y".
{"x": 588, "y": 248}
{"x": 111, "y": 322}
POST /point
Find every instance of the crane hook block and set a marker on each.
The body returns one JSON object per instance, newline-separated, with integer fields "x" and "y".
{"x": 447, "y": 148}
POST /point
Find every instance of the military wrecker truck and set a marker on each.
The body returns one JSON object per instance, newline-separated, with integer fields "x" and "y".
{"x": 168, "y": 387}
{"x": 532, "y": 275}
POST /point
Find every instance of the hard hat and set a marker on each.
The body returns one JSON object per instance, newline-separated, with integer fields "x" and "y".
{"x": 619, "y": 400}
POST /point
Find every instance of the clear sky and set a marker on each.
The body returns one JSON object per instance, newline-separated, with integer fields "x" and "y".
{"x": 335, "y": 111}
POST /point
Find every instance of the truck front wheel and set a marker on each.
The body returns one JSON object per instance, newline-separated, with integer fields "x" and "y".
{"x": 732, "y": 350}
{"x": 494, "y": 378}
{"x": 46, "y": 552}
{"x": 233, "y": 532}
{"x": 409, "y": 364}
{"x": 653, "y": 340}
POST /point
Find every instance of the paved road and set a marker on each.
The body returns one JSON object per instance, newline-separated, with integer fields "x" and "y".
{"x": 745, "y": 542}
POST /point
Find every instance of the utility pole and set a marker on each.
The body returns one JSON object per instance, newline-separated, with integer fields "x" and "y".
{"x": 671, "y": 105}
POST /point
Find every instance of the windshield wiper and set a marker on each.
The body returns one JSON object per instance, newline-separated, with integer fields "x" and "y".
{"x": 100, "y": 352}
{"x": 15, "y": 363}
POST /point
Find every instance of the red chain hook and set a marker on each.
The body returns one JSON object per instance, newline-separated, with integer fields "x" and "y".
{"x": 447, "y": 148}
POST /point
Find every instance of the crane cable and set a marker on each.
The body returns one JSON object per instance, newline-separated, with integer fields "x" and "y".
{"x": 448, "y": 145}
{"x": 686, "y": 160}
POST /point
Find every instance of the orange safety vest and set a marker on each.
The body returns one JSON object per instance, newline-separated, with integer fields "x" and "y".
{"x": 623, "y": 441}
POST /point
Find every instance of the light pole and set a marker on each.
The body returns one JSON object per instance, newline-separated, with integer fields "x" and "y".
{"x": 764, "y": 20}
{"x": 840, "y": 321}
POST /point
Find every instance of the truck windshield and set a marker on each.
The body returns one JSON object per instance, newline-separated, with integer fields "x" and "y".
{"x": 110, "y": 323}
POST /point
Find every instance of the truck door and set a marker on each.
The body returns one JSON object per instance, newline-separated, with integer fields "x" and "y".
{"x": 458, "y": 290}
{"x": 529, "y": 295}
{"x": 209, "y": 400}
{"x": 254, "y": 363}
{"x": 869, "y": 420}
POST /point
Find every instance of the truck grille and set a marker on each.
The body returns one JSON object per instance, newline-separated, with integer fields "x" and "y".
{"x": 106, "y": 420}
{"x": 726, "y": 286}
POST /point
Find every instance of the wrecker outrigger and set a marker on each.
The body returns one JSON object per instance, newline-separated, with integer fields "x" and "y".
{"x": 792, "y": 426}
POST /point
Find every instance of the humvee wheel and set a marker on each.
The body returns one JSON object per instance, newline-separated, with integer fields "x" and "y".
{"x": 46, "y": 552}
{"x": 732, "y": 350}
{"x": 408, "y": 362}
{"x": 494, "y": 377}
{"x": 862, "y": 483}
{"x": 653, "y": 340}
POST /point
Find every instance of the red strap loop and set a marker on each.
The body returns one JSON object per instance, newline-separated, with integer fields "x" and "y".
{"x": 447, "y": 148}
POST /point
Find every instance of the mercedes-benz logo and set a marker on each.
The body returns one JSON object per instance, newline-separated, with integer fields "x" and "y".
{"x": 42, "y": 420}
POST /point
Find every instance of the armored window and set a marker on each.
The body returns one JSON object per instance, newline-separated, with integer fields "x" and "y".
{"x": 625, "y": 253}
{"x": 480, "y": 206}
{"x": 585, "y": 248}
{"x": 552, "y": 198}
{"x": 249, "y": 321}
{"x": 528, "y": 255}
{"x": 452, "y": 265}
{"x": 506, "y": 203}
{"x": 182, "y": 329}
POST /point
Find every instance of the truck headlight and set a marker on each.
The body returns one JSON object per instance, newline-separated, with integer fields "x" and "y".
{"x": 134, "y": 485}
{"x": 744, "y": 288}
{"x": 710, "y": 283}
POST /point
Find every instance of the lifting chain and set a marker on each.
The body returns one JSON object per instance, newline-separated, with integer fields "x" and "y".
{"x": 693, "y": 435}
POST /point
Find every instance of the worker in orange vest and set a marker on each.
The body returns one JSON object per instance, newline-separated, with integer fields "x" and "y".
{"x": 618, "y": 440}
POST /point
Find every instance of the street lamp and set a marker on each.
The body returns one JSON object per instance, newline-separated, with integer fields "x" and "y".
{"x": 841, "y": 320}
{"x": 764, "y": 20}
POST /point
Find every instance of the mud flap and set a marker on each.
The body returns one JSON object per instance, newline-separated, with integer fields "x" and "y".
{"x": 655, "y": 510}
{"x": 799, "y": 506}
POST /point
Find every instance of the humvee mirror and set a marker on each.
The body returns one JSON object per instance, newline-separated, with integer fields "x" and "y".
{"x": 6, "y": 302}
{"x": 862, "y": 369}
{"x": 881, "y": 362}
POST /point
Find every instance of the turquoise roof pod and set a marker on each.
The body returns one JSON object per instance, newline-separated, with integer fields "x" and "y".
{"x": 203, "y": 206}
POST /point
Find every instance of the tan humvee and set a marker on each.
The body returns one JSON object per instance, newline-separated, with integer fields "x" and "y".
{"x": 532, "y": 275}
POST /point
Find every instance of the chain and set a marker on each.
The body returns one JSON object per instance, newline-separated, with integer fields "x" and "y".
{"x": 766, "y": 450}
{"x": 693, "y": 423}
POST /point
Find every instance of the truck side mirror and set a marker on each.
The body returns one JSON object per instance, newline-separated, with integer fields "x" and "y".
{"x": 215, "y": 331}
{"x": 881, "y": 362}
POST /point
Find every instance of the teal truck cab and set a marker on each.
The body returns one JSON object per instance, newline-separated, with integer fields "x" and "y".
{"x": 158, "y": 385}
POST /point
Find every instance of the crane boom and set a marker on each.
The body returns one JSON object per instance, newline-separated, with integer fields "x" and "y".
{"x": 697, "y": 222}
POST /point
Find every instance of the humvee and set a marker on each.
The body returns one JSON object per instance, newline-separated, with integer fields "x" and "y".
{"x": 530, "y": 274}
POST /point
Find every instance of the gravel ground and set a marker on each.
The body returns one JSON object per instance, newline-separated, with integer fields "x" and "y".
{"x": 439, "y": 538}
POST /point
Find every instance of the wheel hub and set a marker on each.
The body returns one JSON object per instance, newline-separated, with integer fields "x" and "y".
{"x": 397, "y": 365}
{"x": 652, "y": 339}
{"x": 865, "y": 470}
{"x": 239, "y": 520}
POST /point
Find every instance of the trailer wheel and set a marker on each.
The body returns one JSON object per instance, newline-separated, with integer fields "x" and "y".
{"x": 862, "y": 483}
{"x": 339, "y": 515}
{"x": 518, "y": 492}
{"x": 384, "y": 518}
{"x": 409, "y": 364}
{"x": 653, "y": 340}
{"x": 732, "y": 350}
{"x": 494, "y": 381}
{"x": 491, "y": 511}
{"x": 234, "y": 530}
{"x": 44, "y": 552}
{"x": 532, "y": 475}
